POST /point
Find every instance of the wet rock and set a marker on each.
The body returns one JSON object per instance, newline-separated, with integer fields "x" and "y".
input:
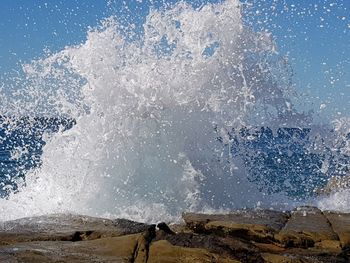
{"x": 273, "y": 219}
{"x": 257, "y": 233}
{"x": 115, "y": 249}
{"x": 340, "y": 223}
{"x": 273, "y": 258}
{"x": 66, "y": 227}
{"x": 258, "y": 225}
{"x": 164, "y": 227}
{"x": 312, "y": 255}
{"x": 270, "y": 248}
{"x": 229, "y": 247}
{"x": 306, "y": 226}
{"x": 180, "y": 228}
{"x": 162, "y": 251}
{"x": 248, "y": 236}
{"x": 141, "y": 252}
{"x": 330, "y": 245}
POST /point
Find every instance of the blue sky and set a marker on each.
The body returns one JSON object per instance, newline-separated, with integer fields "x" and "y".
{"x": 314, "y": 34}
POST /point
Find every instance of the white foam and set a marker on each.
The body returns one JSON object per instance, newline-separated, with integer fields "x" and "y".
{"x": 144, "y": 144}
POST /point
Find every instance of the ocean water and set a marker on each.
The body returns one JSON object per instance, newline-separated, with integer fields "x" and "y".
{"x": 21, "y": 143}
{"x": 198, "y": 113}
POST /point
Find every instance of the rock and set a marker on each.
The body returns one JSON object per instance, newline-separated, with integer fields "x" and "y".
{"x": 270, "y": 248}
{"x": 142, "y": 248}
{"x": 298, "y": 258}
{"x": 259, "y": 233}
{"x": 115, "y": 249}
{"x": 273, "y": 258}
{"x": 310, "y": 255}
{"x": 330, "y": 245}
{"x": 340, "y": 223}
{"x": 257, "y": 225}
{"x": 69, "y": 227}
{"x": 128, "y": 248}
{"x": 229, "y": 247}
{"x": 164, "y": 227}
{"x": 162, "y": 251}
{"x": 306, "y": 226}
{"x": 273, "y": 219}
{"x": 247, "y": 236}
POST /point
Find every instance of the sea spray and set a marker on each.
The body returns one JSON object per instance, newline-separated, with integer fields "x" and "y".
{"x": 337, "y": 157}
{"x": 153, "y": 117}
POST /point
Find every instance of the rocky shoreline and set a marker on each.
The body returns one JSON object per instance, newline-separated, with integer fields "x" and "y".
{"x": 305, "y": 234}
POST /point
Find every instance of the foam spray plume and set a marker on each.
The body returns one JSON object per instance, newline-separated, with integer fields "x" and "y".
{"x": 148, "y": 115}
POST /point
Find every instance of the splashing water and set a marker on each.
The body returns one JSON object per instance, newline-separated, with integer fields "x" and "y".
{"x": 148, "y": 116}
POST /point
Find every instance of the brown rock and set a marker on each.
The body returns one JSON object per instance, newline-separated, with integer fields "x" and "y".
{"x": 180, "y": 228}
{"x": 329, "y": 245}
{"x": 164, "y": 252}
{"x": 306, "y": 226}
{"x": 164, "y": 227}
{"x": 340, "y": 223}
{"x": 259, "y": 233}
{"x": 273, "y": 258}
{"x": 115, "y": 249}
{"x": 258, "y": 225}
{"x": 298, "y": 255}
{"x": 68, "y": 227}
{"x": 270, "y": 248}
{"x": 142, "y": 248}
{"x": 306, "y": 237}
{"x": 232, "y": 248}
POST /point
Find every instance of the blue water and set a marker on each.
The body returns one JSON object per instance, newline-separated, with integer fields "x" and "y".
{"x": 277, "y": 161}
{"x": 283, "y": 160}
{"x": 26, "y": 135}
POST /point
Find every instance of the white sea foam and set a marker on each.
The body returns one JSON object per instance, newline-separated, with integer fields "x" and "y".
{"x": 339, "y": 198}
{"x": 144, "y": 145}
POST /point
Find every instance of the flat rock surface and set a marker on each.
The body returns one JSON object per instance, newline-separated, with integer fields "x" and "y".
{"x": 272, "y": 219}
{"x": 162, "y": 251}
{"x": 256, "y": 225}
{"x": 115, "y": 249}
{"x": 306, "y": 226}
{"x": 66, "y": 227}
{"x": 340, "y": 223}
{"x": 303, "y": 235}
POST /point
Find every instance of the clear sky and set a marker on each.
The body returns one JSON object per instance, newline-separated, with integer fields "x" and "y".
{"x": 314, "y": 34}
